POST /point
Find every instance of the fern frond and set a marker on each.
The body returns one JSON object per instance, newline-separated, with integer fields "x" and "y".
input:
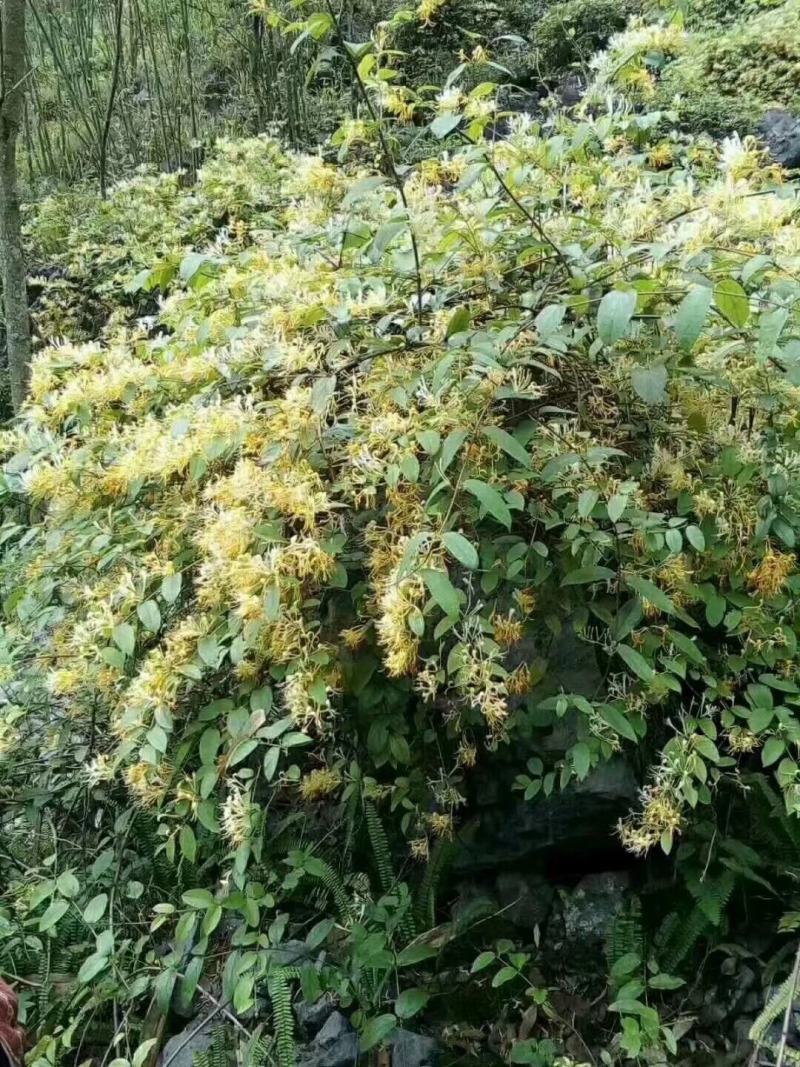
{"x": 425, "y": 904}
{"x": 626, "y": 933}
{"x": 331, "y": 880}
{"x": 380, "y": 846}
{"x": 280, "y": 994}
{"x": 687, "y": 932}
{"x": 774, "y": 1008}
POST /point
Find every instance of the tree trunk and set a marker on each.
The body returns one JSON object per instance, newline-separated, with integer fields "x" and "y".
{"x": 15, "y": 296}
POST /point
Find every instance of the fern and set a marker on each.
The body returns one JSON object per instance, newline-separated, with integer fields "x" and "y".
{"x": 380, "y": 846}
{"x": 713, "y": 894}
{"x": 216, "y": 1055}
{"x": 771, "y": 823}
{"x": 774, "y": 1008}
{"x": 625, "y": 934}
{"x": 686, "y": 933}
{"x": 425, "y": 904}
{"x": 324, "y": 873}
{"x": 280, "y": 995}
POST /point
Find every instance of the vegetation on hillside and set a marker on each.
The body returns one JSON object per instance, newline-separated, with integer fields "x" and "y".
{"x": 325, "y": 458}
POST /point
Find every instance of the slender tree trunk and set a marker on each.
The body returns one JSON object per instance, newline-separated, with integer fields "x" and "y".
{"x": 112, "y": 96}
{"x": 15, "y": 296}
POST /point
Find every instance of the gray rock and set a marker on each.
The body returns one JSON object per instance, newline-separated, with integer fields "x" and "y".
{"x": 413, "y": 1050}
{"x": 781, "y": 131}
{"x": 289, "y": 953}
{"x": 182, "y": 1049}
{"x": 578, "y": 821}
{"x": 312, "y": 1017}
{"x": 525, "y": 900}
{"x": 590, "y": 909}
{"x": 336, "y": 1045}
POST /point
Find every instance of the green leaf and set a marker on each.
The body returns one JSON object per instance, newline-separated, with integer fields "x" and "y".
{"x": 95, "y": 909}
{"x": 760, "y": 719}
{"x": 208, "y": 650}
{"x": 442, "y": 590}
{"x": 124, "y": 638}
{"x": 143, "y": 1051}
{"x": 732, "y": 301}
{"x": 453, "y": 442}
{"x": 377, "y": 1028}
{"x": 490, "y": 500}
{"x": 626, "y": 964}
{"x": 149, "y": 616}
{"x": 210, "y": 741}
{"x": 481, "y": 962}
{"x": 616, "y": 720}
{"x": 188, "y": 842}
{"x": 694, "y": 535}
{"x": 461, "y": 549}
{"x": 363, "y": 188}
{"x": 549, "y": 320}
{"x": 636, "y": 661}
{"x": 57, "y": 910}
{"x": 614, "y": 315}
{"x": 505, "y": 974}
{"x": 508, "y": 444}
{"x": 444, "y": 124}
{"x": 581, "y": 759}
{"x": 243, "y": 994}
{"x": 431, "y": 441}
{"x": 317, "y": 934}
{"x": 652, "y": 593}
{"x": 692, "y": 314}
{"x": 584, "y": 575}
{"x": 412, "y": 954}
{"x": 171, "y": 587}
{"x": 92, "y": 966}
{"x": 665, "y": 981}
{"x": 410, "y": 1002}
{"x": 68, "y": 885}
{"x": 459, "y": 322}
{"x": 586, "y": 502}
{"x": 198, "y": 898}
{"x": 772, "y": 751}
{"x": 616, "y": 507}
{"x": 650, "y": 383}
{"x": 688, "y": 647}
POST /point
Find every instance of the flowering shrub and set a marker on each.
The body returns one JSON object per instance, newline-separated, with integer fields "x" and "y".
{"x": 302, "y": 544}
{"x": 719, "y": 75}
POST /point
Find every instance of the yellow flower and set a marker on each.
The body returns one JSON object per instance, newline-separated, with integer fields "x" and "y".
{"x": 768, "y": 578}
{"x": 508, "y": 631}
{"x": 519, "y": 681}
{"x": 319, "y": 783}
{"x": 428, "y": 9}
{"x": 441, "y": 824}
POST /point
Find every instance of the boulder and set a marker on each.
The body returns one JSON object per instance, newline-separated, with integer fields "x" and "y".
{"x": 590, "y": 909}
{"x": 780, "y": 130}
{"x": 336, "y": 1045}
{"x": 574, "y": 826}
{"x": 312, "y": 1017}
{"x": 524, "y": 899}
{"x": 179, "y": 1051}
{"x": 413, "y": 1050}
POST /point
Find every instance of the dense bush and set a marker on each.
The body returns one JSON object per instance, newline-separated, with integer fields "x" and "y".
{"x": 284, "y": 563}
{"x": 717, "y": 79}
